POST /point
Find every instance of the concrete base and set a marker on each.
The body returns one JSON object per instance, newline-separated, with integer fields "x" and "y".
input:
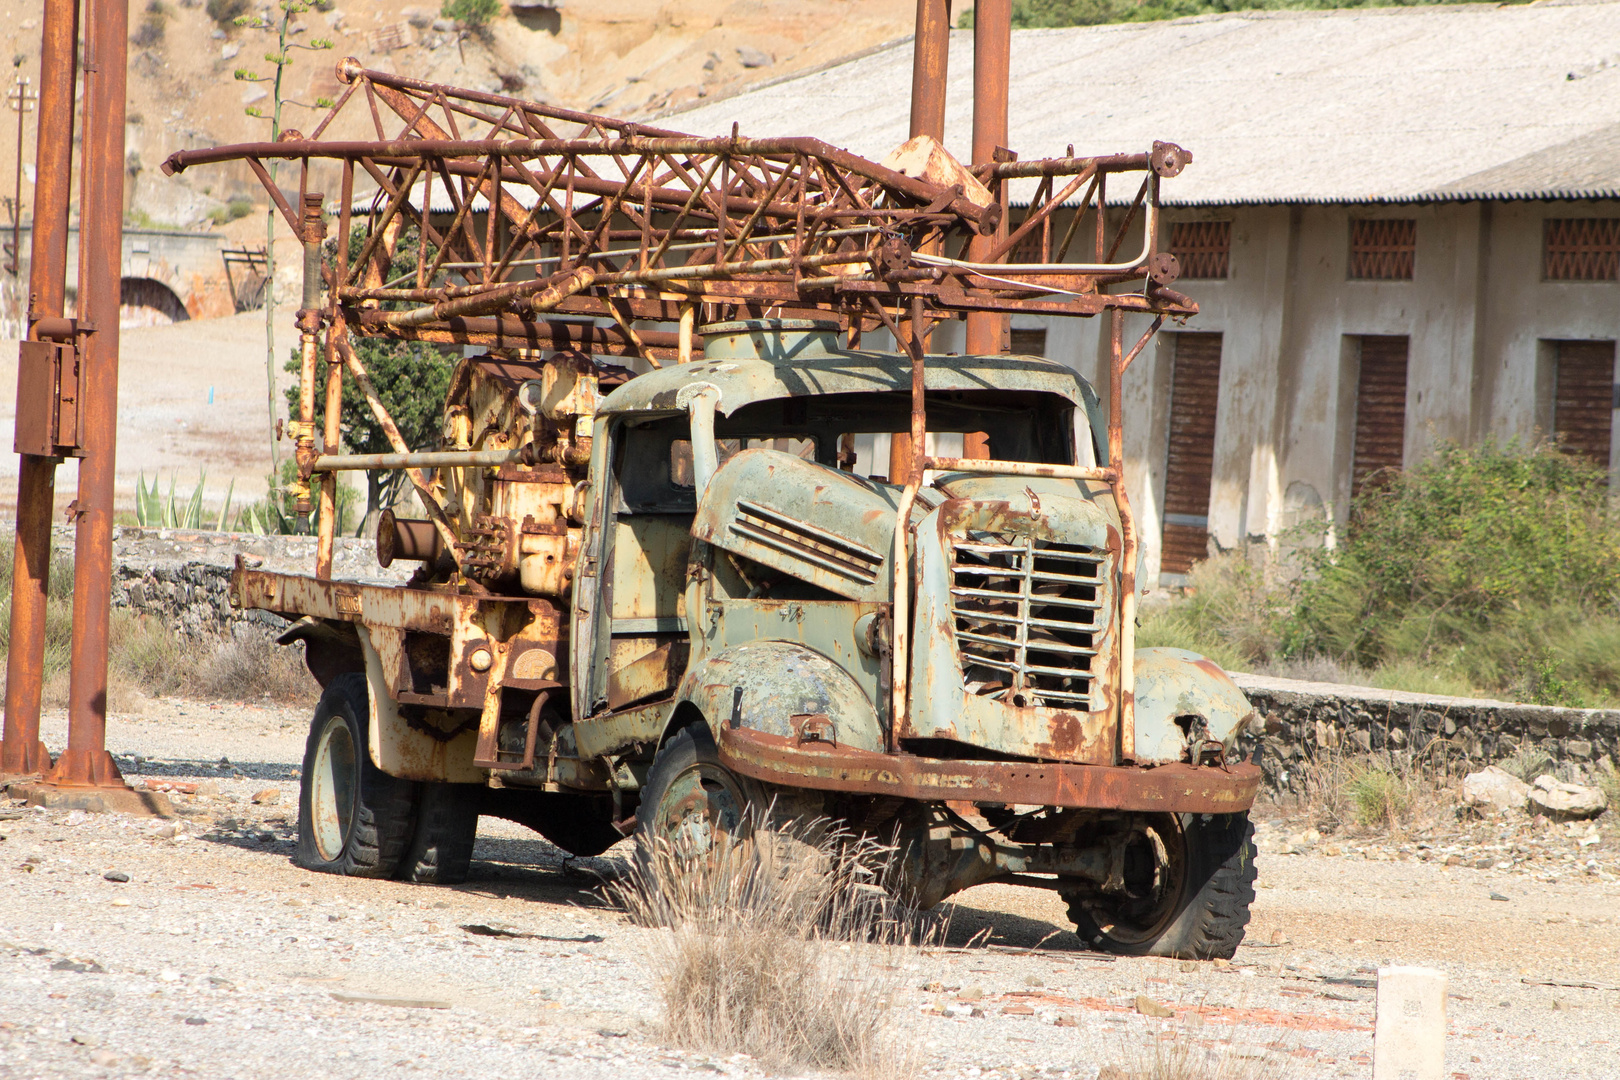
{"x": 107, "y": 800}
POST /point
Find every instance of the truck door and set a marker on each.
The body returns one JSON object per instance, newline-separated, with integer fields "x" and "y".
{"x": 629, "y": 640}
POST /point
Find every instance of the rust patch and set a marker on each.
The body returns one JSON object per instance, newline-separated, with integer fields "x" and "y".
{"x": 1210, "y": 667}
{"x": 1068, "y": 736}
{"x": 1177, "y": 788}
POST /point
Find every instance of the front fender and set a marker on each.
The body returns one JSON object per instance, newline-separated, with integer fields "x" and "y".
{"x": 782, "y": 688}
{"x": 1174, "y": 684}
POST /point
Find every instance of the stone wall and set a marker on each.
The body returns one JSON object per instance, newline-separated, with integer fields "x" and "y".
{"x": 183, "y": 577}
{"x": 1304, "y": 719}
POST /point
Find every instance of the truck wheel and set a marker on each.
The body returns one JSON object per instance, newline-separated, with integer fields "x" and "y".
{"x": 690, "y": 798}
{"x": 446, "y": 827}
{"x": 1189, "y": 881}
{"x": 353, "y": 818}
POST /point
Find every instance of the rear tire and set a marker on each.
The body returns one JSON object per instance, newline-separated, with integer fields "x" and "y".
{"x": 353, "y": 818}
{"x": 1190, "y": 882}
{"x": 446, "y": 829}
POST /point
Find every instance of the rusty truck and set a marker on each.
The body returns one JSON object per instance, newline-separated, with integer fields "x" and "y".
{"x": 653, "y": 588}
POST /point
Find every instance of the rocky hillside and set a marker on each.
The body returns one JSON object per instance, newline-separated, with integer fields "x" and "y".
{"x": 626, "y": 57}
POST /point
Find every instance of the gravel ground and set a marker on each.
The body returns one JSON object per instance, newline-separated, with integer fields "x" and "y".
{"x": 219, "y": 958}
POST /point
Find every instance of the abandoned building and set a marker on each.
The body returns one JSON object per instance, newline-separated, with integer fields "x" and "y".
{"x": 1402, "y": 225}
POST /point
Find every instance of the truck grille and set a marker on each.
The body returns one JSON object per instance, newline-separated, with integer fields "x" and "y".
{"x": 1026, "y": 614}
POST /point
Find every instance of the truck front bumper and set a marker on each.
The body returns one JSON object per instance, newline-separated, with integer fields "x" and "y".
{"x": 1177, "y": 788}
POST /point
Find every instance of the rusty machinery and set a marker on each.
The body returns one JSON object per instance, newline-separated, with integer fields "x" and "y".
{"x": 592, "y": 225}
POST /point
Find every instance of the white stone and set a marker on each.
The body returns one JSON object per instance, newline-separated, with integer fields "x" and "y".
{"x": 1495, "y": 787}
{"x": 1566, "y": 800}
{"x": 1409, "y": 1038}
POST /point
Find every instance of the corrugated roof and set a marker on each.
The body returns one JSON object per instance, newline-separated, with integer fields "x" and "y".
{"x": 1353, "y": 105}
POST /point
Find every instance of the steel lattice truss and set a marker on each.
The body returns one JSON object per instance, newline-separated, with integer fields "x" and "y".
{"x": 610, "y": 219}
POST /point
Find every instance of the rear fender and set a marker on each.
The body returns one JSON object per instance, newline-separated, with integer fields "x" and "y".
{"x": 782, "y": 689}
{"x": 413, "y": 751}
{"x": 1183, "y": 698}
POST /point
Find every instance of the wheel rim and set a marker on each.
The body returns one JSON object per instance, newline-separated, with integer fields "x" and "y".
{"x": 1155, "y": 875}
{"x": 332, "y": 788}
{"x": 702, "y": 803}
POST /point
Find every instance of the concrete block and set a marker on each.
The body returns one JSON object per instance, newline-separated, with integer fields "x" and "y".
{"x": 1409, "y": 1039}
{"x": 98, "y": 800}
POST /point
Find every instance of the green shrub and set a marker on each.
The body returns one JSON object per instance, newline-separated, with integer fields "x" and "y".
{"x": 1381, "y": 797}
{"x": 234, "y": 210}
{"x": 1492, "y": 571}
{"x": 1527, "y": 763}
{"x": 472, "y": 14}
{"x": 1497, "y": 564}
{"x": 1231, "y": 612}
{"x": 226, "y": 12}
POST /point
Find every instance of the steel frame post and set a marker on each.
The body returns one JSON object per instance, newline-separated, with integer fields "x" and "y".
{"x": 992, "y": 46}
{"x": 86, "y": 762}
{"x": 930, "y": 61}
{"x": 21, "y": 752}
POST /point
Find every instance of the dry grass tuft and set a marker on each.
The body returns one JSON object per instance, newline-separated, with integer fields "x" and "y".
{"x": 148, "y": 659}
{"x": 1383, "y": 794}
{"x": 1181, "y": 1053}
{"x": 779, "y": 945}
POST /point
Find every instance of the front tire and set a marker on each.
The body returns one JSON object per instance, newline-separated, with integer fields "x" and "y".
{"x": 1189, "y": 882}
{"x": 353, "y": 818}
{"x": 690, "y": 799}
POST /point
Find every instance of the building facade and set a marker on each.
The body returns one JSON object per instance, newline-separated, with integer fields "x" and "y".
{"x": 1337, "y": 340}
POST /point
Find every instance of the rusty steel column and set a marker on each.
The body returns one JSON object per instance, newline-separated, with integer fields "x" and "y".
{"x": 930, "y": 53}
{"x": 101, "y": 213}
{"x": 930, "y": 57}
{"x": 21, "y": 752}
{"x": 992, "y": 65}
{"x": 312, "y": 230}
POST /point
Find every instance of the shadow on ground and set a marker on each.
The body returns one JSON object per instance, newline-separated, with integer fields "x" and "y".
{"x": 971, "y": 926}
{"x": 181, "y": 768}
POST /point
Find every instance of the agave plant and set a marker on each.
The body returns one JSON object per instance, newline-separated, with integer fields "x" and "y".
{"x": 155, "y": 510}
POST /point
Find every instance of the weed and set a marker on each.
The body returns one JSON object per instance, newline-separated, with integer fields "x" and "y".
{"x": 1184, "y": 1053}
{"x": 1381, "y": 797}
{"x": 1607, "y": 779}
{"x": 773, "y": 945}
{"x": 1527, "y": 763}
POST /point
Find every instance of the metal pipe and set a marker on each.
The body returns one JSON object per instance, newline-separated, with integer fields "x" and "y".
{"x": 391, "y": 432}
{"x": 21, "y": 752}
{"x": 1020, "y": 468}
{"x": 448, "y": 152}
{"x": 930, "y": 62}
{"x": 1127, "y": 527}
{"x": 337, "y": 327}
{"x": 411, "y": 539}
{"x": 312, "y": 230}
{"x": 930, "y": 56}
{"x": 992, "y": 57}
{"x": 426, "y": 459}
{"x": 101, "y": 200}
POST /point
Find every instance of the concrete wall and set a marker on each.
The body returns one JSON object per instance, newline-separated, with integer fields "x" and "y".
{"x": 1480, "y": 321}
{"x": 187, "y": 263}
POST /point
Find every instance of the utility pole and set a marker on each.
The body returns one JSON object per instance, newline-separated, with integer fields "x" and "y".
{"x": 22, "y": 98}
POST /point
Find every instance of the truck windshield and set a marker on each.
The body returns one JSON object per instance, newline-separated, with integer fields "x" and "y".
{"x": 851, "y": 432}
